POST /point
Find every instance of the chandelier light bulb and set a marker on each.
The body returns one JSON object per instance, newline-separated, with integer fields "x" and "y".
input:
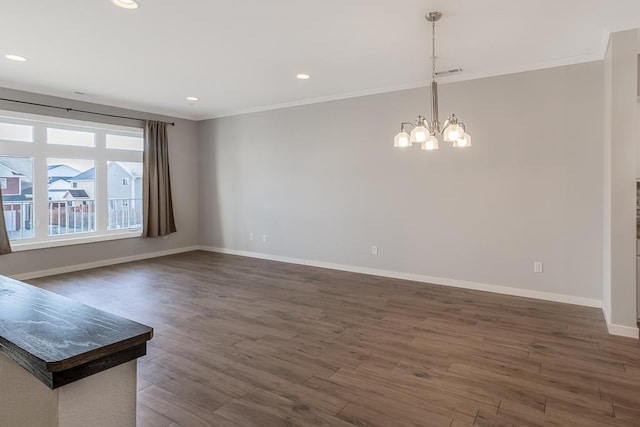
{"x": 402, "y": 140}
{"x": 453, "y": 132}
{"x": 430, "y": 144}
{"x": 419, "y": 134}
{"x": 463, "y": 142}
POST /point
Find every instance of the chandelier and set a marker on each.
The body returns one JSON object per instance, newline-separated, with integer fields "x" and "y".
{"x": 424, "y": 132}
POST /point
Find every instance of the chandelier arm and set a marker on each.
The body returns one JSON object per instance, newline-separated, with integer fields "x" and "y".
{"x": 403, "y": 124}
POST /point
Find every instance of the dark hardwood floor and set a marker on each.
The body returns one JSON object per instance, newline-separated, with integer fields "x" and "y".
{"x": 246, "y": 342}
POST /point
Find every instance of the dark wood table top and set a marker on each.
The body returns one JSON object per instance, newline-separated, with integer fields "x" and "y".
{"x": 60, "y": 340}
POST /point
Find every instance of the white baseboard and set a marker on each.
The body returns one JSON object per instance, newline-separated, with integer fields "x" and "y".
{"x": 101, "y": 263}
{"x": 527, "y": 293}
{"x": 258, "y": 255}
{"x": 614, "y": 329}
{"x": 623, "y": 331}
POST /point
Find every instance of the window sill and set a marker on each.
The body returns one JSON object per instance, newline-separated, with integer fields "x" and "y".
{"x": 81, "y": 240}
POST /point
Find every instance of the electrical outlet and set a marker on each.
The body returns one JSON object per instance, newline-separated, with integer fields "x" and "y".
{"x": 250, "y": 236}
{"x": 374, "y": 250}
{"x": 538, "y": 267}
{"x": 264, "y": 238}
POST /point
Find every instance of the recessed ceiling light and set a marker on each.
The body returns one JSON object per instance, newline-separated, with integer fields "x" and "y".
{"x": 192, "y": 98}
{"x": 303, "y": 76}
{"x": 126, "y": 4}
{"x": 16, "y": 58}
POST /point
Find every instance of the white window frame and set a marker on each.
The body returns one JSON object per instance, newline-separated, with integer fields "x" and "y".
{"x": 3, "y": 183}
{"x": 40, "y": 151}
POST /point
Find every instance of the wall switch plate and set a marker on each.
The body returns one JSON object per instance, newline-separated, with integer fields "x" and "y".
{"x": 374, "y": 250}
{"x": 538, "y": 267}
{"x": 264, "y": 237}
{"x": 250, "y": 236}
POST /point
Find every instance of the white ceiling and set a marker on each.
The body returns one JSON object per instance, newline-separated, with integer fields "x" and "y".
{"x": 243, "y": 55}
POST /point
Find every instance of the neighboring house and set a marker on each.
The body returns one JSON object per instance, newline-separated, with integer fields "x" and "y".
{"x": 74, "y": 215}
{"x": 14, "y": 194}
{"x": 10, "y": 181}
{"x": 124, "y": 180}
{"x": 76, "y": 195}
{"x": 58, "y": 188}
{"x": 85, "y": 181}
{"x": 59, "y": 184}
{"x": 57, "y": 172}
{"x": 124, "y": 190}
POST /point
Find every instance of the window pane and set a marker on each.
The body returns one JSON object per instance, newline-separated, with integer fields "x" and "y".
{"x": 13, "y": 132}
{"x": 71, "y": 193}
{"x": 120, "y": 142}
{"x": 124, "y": 192}
{"x": 16, "y": 176}
{"x": 71, "y": 137}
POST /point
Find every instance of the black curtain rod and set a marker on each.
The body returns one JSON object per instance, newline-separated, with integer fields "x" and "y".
{"x": 78, "y": 111}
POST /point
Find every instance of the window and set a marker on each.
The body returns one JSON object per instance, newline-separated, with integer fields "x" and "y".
{"x": 124, "y": 142}
{"x": 68, "y": 181}
{"x": 72, "y": 196}
{"x": 124, "y": 187}
{"x": 71, "y": 137}
{"x": 17, "y": 192}
{"x": 16, "y": 132}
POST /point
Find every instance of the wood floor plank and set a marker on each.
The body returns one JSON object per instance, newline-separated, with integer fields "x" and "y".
{"x": 358, "y": 415}
{"x": 394, "y": 403}
{"x": 488, "y": 419}
{"x": 148, "y": 417}
{"x": 327, "y": 402}
{"x": 249, "y": 342}
{"x": 182, "y": 411}
{"x": 629, "y": 415}
{"x": 290, "y": 412}
{"x": 561, "y": 393}
{"x": 211, "y": 377}
{"x": 183, "y": 385}
{"x": 436, "y": 392}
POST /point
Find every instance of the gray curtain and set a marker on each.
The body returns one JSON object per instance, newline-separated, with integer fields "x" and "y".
{"x": 156, "y": 184}
{"x": 5, "y": 246}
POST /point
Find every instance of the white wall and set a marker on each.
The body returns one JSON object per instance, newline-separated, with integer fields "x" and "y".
{"x": 324, "y": 183}
{"x": 183, "y": 154}
{"x": 107, "y": 398}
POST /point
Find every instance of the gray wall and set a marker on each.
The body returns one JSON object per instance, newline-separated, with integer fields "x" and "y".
{"x": 183, "y": 153}
{"x": 324, "y": 183}
{"x": 620, "y": 145}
